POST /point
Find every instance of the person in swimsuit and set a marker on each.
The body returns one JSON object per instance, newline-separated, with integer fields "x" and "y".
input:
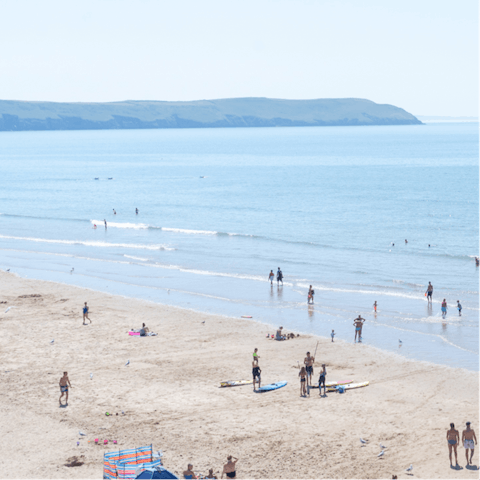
{"x": 406, "y": 241}
{"x": 189, "y": 473}
{"x": 375, "y": 306}
{"x": 308, "y": 362}
{"x": 468, "y": 436}
{"x": 105, "y": 222}
{"x": 459, "y": 306}
{"x": 85, "y": 314}
{"x": 477, "y": 261}
{"x": 279, "y": 276}
{"x": 114, "y": 212}
{"x": 321, "y": 381}
{"x": 271, "y": 277}
{"x": 303, "y": 380}
{"x": 444, "y": 308}
{"x": 311, "y": 293}
{"x": 210, "y": 475}
{"x": 136, "y": 211}
{"x": 332, "y": 334}
{"x": 358, "y": 323}
{"x": 452, "y": 438}
{"x": 256, "y": 372}
{"x": 229, "y": 467}
{"x": 64, "y": 384}
{"x": 429, "y": 292}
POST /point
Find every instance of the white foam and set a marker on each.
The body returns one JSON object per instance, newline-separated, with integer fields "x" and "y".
{"x": 189, "y": 232}
{"x": 91, "y": 244}
{"x": 136, "y": 258}
{"x": 136, "y": 226}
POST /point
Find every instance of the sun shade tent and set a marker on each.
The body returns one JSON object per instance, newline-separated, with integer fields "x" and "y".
{"x": 158, "y": 472}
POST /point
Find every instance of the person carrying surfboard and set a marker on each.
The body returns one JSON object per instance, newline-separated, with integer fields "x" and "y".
{"x": 256, "y": 372}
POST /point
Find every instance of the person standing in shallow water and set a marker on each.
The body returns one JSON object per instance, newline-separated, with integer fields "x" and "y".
{"x": 453, "y": 437}
{"x": 105, "y": 222}
{"x": 429, "y": 292}
{"x": 271, "y": 277}
{"x": 279, "y": 276}
{"x": 444, "y": 308}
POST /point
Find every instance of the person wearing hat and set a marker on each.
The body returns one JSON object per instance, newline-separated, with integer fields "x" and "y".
{"x": 468, "y": 436}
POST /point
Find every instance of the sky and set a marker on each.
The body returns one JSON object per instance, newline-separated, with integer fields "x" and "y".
{"x": 420, "y": 55}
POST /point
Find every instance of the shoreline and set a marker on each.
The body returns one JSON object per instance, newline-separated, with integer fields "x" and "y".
{"x": 172, "y": 400}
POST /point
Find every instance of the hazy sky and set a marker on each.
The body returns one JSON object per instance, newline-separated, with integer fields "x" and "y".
{"x": 421, "y": 55}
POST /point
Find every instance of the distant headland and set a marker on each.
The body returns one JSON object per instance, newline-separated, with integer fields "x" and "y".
{"x": 224, "y": 113}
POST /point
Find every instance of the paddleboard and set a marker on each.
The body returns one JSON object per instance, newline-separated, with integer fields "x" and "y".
{"x": 333, "y": 384}
{"x": 272, "y": 386}
{"x": 349, "y": 386}
{"x": 235, "y": 383}
{"x": 246, "y": 316}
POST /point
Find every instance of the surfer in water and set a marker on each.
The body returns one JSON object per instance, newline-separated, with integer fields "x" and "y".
{"x": 279, "y": 276}
{"x": 453, "y": 438}
{"x": 429, "y": 292}
{"x": 256, "y": 372}
{"x": 271, "y": 277}
{"x": 229, "y": 467}
{"x": 114, "y": 212}
{"x": 358, "y": 323}
{"x": 308, "y": 362}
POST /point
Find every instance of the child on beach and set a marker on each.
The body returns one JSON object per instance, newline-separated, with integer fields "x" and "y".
{"x": 444, "y": 308}
{"x": 459, "y": 308}
{"x": 321, "y": 380}
{"x": 303, "y": 380}
{"x": 332, "y": 334}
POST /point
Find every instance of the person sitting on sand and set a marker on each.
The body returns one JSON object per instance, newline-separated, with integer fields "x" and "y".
{"x": 85, "y": 314}
{"x": 321, "y": 381}
{"x": 278, "y": 335}
{"x": 453, "y": 438}
{"x": 189, "y": 473}
{"x": 210, "y": 475}
{"x": 64, "y": 384}
{"x": 256, "y": 371}
{"x": 468, "y": 436}
{"x": 303, "y": 380}
{"x": 144, "y": 330}
{"x": 229, "y": 467}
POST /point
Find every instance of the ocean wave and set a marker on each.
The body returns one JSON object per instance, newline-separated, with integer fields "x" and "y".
{"x": 188, "y": 232}
{"x": 136, "y": 226}
{"x": 136, "y": 258}
{"x": 91, "y": 243}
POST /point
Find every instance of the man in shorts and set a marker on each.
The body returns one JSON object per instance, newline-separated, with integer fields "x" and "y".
{"x": 256, "y": 372}
{"x": 279, "y": 276}
{"x": 453, "y": 438}
{"x": 358, "y": 323}
{"x": 468, "y": 436}
{"x": 308, "y": 361}
{"x": 64, "y": 385}
{"x": 429, "y": 292}
{"x": 85, "y": 314}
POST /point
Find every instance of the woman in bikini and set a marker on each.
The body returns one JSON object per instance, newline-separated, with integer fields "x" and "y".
{"x": 229, "y": 467}
{"x": 303, "y": 380}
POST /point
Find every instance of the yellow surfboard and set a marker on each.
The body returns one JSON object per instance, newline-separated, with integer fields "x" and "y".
{"x": 349, "y": 386}
{"x": 235, "y": 383}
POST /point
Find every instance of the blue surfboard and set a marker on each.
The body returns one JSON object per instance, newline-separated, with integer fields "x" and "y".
{"x": 272, "y": 386}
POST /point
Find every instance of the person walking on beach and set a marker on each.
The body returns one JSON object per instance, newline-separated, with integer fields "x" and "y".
{"x": 271, "y": 277}
{"x": 229, "y": 467}
{"x": 303, "y": 380}
{"x": 459, "y": 306}
{"x": 358, "y": 323}
{"x": 311, "y": 293}
{"x": 105, "y": 222}
{"x": 468, "y": 436}
{"x": 375, "y": 306}
{"x": 85, "y": 314}
{"x": 332, "y": 334}
{"x": 453, "y": 437}
{"x": 429, "y": 292}
{"x": 64, "y": 384}
{"x": 279, "y": 276}
{"x": 256, "y": 372}
{"x": 308, "y": 362}
{"x": 444, "y": 308}
{"x": 321, "y": 381}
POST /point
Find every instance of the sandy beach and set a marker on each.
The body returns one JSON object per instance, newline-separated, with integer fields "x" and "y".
{"x": 170, "y": 394}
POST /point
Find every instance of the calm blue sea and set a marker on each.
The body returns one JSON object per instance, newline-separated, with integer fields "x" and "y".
{"x": 220, "y": 208}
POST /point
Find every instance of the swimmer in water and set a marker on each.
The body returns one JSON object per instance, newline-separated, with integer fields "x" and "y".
{"x": 114, "y": 212}
{"x": 477, "y": 262}
{"x": 406, "y": 241}
{"x": 94, "y": 226}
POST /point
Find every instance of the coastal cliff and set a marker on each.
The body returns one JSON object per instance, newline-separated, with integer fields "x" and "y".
{"x": 235, "y": 112}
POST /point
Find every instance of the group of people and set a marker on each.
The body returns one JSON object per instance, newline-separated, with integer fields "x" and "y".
{"x": 229, "y": 469}
{"x": 306, "y": 374}
{"x": 271, "y": 277}
{"x": 469, "y": 441}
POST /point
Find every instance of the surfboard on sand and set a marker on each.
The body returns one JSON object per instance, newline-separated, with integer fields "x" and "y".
{"x": 246, "y": 316}
{"x": 333, "y": 384}
{"x": 349, "y": 386}
{"x": 235, "y": 383}
{"x": 272, "y": 386}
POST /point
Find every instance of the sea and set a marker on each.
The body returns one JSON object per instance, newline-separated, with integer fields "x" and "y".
{"x": 218, "y": 209}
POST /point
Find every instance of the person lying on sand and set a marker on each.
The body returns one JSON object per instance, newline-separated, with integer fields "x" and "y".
{"x": 452, "y": 438}
{"x": 229, "y": 467}
{"x": 64, "y": 384}
{"x": 189, "y": 473}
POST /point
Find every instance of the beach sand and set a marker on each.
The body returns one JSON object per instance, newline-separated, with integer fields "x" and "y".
{"x": 170, "y": 394}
